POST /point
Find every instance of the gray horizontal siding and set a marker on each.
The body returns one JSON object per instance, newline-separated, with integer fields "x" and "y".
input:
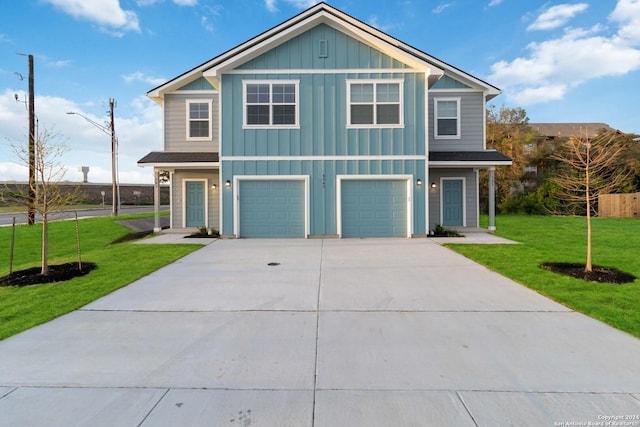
{"x": 471, "y": 122}
{"x": 175, "y": 123}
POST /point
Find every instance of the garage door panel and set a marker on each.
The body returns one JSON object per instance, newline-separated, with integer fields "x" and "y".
{"x": 271, "y": 208}
{"x": 374, "y": 208}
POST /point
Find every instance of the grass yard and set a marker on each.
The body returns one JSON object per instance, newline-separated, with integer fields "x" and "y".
{"x": 616, "y": 243}
{"x": 118, "y": 265}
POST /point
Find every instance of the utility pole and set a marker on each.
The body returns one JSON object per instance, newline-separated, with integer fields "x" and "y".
{"x": 31, "y": 213}
{"x": 110, "y": 129}
{"x": 115, "y": 201}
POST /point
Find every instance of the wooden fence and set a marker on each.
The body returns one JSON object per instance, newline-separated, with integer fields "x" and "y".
{"x": 619, "y": 205}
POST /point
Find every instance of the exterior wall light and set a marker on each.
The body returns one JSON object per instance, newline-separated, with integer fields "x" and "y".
{"x": 227, "y": 183}
{"x": 433, "y": 185}
{"x": 418, "y": 182}
{"x": 214, "y": 186}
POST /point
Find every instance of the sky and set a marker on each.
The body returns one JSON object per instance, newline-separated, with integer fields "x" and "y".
{"x": 561, "y": 61}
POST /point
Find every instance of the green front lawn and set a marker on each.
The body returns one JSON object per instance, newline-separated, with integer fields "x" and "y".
{"x": 118, "y": 265}
{"x": 616, "y": 243}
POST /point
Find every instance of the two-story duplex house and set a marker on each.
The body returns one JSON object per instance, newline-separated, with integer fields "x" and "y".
{"x": 324, "y": 127}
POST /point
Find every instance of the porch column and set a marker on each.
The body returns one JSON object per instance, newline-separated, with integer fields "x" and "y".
{"x": 156, "y": 201}
{"x": 492, "y": 199}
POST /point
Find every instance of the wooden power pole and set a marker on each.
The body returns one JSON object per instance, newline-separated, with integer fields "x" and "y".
{"x": 31, "y": 212}
{"x": 114, "y": 190}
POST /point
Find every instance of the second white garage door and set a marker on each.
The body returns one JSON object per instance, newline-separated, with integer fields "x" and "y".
{"x": 374, "y": 208}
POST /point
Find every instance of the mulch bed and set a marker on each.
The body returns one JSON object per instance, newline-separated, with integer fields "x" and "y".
{"x": 57, "y": 273}
{"x": 599, "y": 274}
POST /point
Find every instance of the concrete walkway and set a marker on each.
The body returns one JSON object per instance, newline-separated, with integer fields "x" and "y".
{"x": 332, "y": 333}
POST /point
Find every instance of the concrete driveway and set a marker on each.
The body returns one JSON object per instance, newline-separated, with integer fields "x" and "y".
{"x": 338, "y": 333}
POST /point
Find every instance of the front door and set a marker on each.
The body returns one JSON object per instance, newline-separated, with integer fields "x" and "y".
{"x": 194, "y": 206}
{"x": 452, "y": 202}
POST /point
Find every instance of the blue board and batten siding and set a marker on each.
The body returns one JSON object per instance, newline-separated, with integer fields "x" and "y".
{"x": 322, "y": 138}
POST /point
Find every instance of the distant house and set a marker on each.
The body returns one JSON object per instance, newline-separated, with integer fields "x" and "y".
{"x": 554, "y": 131}
{"x": 557, "y": 132}
{"x": 324, "y": 126}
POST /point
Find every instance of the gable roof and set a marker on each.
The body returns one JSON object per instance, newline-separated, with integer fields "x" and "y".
{"x": 319, "y": 13}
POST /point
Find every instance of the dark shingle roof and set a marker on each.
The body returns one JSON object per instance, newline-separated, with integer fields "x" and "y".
{"x": 179, "y": 157}
{"x": 468, "y": 156}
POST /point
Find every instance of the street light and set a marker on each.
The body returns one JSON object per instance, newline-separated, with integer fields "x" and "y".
{"x": 110, "y": 130}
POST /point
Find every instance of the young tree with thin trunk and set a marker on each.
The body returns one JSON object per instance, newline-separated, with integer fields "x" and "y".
{"x": 50, "y": 171}
{"x": 591, "y": 169}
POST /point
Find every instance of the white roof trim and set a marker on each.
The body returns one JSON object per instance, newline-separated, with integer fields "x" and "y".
{"x": 298, "y": 24}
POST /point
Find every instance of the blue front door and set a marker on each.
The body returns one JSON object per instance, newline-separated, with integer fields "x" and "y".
{"x": 452, "y": 202}
{"x": 194, "y": 208}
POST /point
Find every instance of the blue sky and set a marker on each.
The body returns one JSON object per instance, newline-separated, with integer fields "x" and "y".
{"x": 562, "y": 61}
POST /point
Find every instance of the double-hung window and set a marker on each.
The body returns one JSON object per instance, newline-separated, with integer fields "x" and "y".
{"x": 271, "y": 104}
{"x": 198, "y": 120}
{"x": 374, "y": 103}
{"x": 446, "y": 118}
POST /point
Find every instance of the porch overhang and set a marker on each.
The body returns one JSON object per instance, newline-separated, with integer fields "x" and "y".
{"x": 468, "y": 159}
{"x": 180, "y": 160}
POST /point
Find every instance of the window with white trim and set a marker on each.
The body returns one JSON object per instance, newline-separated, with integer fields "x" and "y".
{"x": 198, "y": 120}
{"x": 446, "y": 118}
{"x": 374, "y": 103}
{"x": 270, "y": 103}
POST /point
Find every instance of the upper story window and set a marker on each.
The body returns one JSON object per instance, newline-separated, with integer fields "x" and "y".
{"x": 271, "y": 104}
{"x": 447, "y": 118}
{"x": 198, "y": 120}
{"x": 374, "y": 103}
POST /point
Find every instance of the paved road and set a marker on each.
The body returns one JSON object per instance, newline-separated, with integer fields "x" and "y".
{"x": 354, "y": 332}
{"x": 21, "y": 218}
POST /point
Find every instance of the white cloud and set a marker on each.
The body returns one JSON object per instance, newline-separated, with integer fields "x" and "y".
{"x": 494, "y": 3}
{"x": 141, "y": 77}
{"x": 178, "y": 2}
{"x": 627, "y": 14}
{"x": 556, "y": 16}
{"x": 272, "y": 6}
{"x": 57, "y": 64}
{"x": 204, "y": 21}
{"x": 553, "y": 67}
{"x": 540, "y": 94}
{"x": 441, "y": 7}
{"x": 103, "y": 12}
{"x": 10, "y": 171}
{"x": 138, "y": 134}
